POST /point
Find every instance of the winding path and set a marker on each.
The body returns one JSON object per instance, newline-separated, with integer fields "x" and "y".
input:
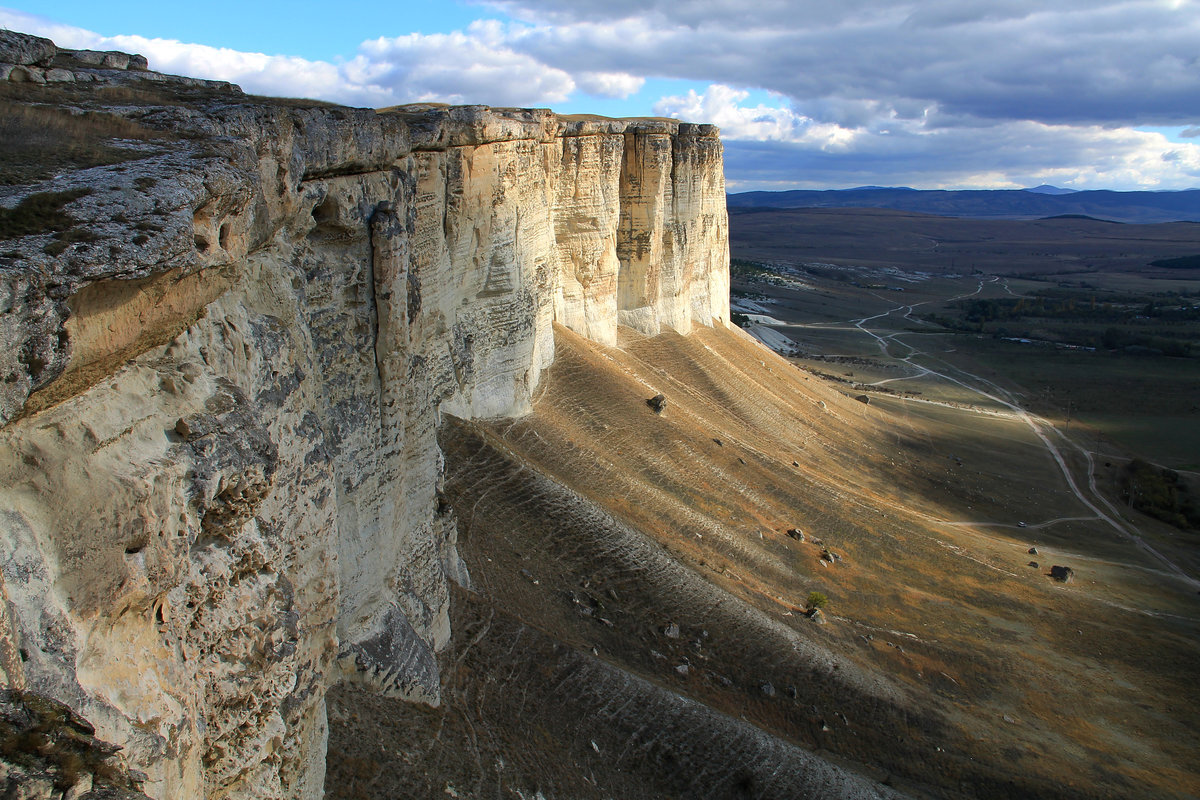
{"x": 1042, "y": 428}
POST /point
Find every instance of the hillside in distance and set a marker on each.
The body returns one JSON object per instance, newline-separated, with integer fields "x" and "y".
{"x": 879, "y": 237}
{"x": 1141, "y": 207}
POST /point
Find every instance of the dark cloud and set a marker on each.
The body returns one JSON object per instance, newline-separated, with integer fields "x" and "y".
{"x": 1072, "y": 62}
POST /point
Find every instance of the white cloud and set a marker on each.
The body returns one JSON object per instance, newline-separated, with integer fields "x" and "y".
{"x": 721, "y": 105}
{"x": 610, "y": 84}
{"x": 777, "y": 147}
{"x": 471, "y": 67}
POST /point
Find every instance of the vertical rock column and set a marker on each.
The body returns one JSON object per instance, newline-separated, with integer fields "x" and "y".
{"x": 394, "y": 657}
{"x": 586, "y": 215}
{"x": 672, "y": 239}
{"x": 641, "y": 244}
{"x": 699, "y": 230}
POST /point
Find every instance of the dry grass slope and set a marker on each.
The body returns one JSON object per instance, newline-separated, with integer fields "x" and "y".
{"x": 948, "y": 667}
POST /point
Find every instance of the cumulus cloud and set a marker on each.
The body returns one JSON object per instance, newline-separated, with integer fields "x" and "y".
{"x": 1073, "y": 61}
{"x": 721, "y": 105}
{"x": 778, "y": 147}
{"x": 928, "y": 93}
{"x": 610, "y": 84}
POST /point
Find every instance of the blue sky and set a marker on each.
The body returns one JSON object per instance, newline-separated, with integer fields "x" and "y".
{"x": 808, "y": 93}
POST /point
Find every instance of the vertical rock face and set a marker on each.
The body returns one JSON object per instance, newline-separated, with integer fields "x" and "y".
{"x": 219, "y": 472}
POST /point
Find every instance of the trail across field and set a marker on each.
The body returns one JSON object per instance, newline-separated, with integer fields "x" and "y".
{"x": 1052, "y": 439}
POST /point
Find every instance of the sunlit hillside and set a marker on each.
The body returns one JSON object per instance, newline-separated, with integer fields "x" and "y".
{"x": 619, "y": 555}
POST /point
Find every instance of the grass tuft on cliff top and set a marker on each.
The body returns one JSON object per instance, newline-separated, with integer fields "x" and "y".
{"x": 40, "y": 140}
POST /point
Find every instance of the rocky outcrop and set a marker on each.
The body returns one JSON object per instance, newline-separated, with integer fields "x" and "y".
{"x": 47, "y": 751}
{"x": 223, "y": 375}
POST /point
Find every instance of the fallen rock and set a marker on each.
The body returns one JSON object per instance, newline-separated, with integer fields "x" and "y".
{"x": 1032, "y": 551}
{"x": 1034, "y": 564}
{"x": 767, "y": 688}
{"x": 862, "y": 398}
{"x": 1062, "y": 574}
{"x": 682, "y": 669}
{"x": 671, "y": 631}
{"x": 658, "y": 403}
{"x": 796, "y": 534}
{"x": 816, "y": 615}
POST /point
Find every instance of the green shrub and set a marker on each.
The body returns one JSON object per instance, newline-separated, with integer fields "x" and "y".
{"x": 817, "y": 600}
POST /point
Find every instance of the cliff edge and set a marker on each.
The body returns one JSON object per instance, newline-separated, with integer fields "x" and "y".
{"x": 231, "y": 326}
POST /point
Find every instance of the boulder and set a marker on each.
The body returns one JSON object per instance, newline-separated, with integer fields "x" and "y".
{"x": 21, "y": 48}
{"x": 59, "y": 75}
{"x": 658, "y": 403}
{"x": 27, "y": 74}
{"x": 1034, "y": 564}
{"x": 862, "y": 398}
{"x": 796, "y": 534}
{"x": 767, "y": 688}
{"x": 671, "y": 631}
{"x": 1062, "y": 574}
{"x": 816, "y": 615}
{"x": 116, "y": 60}
{"x": 1032, "y": 551}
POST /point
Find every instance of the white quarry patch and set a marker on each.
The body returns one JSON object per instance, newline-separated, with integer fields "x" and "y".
{"x": 746, "y": 306}
{"x": 774, "y": 339}
{"x": 764, "y": 319}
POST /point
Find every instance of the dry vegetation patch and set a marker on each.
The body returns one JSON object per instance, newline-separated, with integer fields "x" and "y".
{"x": 40, "y": 141}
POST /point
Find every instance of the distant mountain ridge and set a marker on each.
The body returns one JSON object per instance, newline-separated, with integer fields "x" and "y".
{"x": 1137, "y": 207}
{"x": 1046, "y": 188}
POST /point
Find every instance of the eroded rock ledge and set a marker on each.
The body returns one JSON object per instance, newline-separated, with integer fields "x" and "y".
{"x": 221, "y": 380}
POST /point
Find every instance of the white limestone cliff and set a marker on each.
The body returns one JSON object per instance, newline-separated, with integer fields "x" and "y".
{"x": 219, "y": 474}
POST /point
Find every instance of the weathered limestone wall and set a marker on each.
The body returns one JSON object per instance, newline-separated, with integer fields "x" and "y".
{"x": 219, "y": 474}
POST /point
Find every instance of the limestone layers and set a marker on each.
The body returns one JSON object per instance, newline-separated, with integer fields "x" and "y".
{"x": 219, "y": 476}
